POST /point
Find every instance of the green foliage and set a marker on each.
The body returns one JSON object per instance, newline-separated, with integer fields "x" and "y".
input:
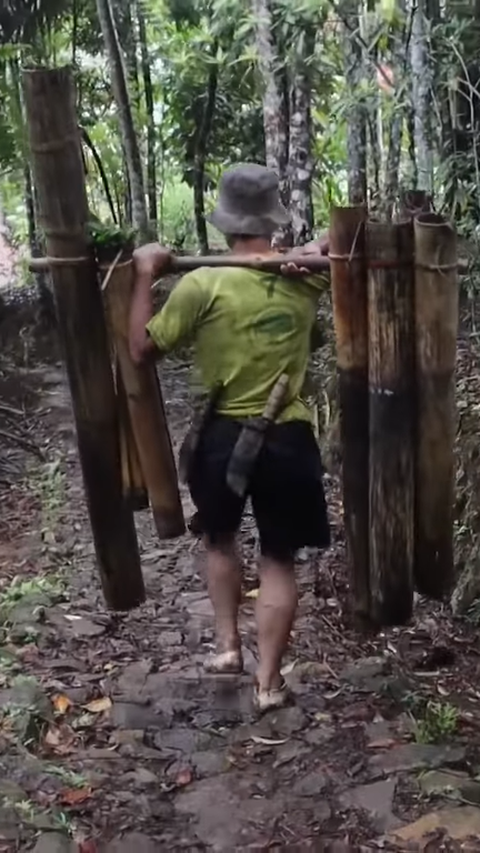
{"x": 438, "y": 723}
{"x": 111, "y": 236}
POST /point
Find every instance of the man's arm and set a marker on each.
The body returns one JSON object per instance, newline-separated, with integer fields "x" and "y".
{"x": 149, "y": 262}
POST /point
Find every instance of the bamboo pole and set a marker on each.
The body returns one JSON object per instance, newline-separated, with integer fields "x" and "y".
{"x": 349, "y": 295}
{"x": 272, "y": 263}
{"x": 392, "y": 413}
{"x": 436, "y": 317}
{"x": 145, "y": 405}
{"x": 59, "y": 180}
{"x": 134, "y": 487}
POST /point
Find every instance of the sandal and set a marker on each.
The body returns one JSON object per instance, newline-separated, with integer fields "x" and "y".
{"x": 270, "y": 700}
{"x": 225, "y": 663}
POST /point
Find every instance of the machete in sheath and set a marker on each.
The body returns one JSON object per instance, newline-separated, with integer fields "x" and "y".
{"x": 250, "y": 441}
{"x": 191, "y": 441}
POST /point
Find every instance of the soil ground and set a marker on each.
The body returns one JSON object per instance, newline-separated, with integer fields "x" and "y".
{"x": 113, "y": 739}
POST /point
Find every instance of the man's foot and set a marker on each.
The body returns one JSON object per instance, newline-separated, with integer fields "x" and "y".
{"x": 225, "y": 663}
{"x": 269, "y": 700}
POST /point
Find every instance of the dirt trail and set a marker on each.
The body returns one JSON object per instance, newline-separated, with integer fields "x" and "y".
{"x": 113, "y": 739}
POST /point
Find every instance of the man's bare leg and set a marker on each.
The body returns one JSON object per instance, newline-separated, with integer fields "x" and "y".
{"x": 276, "y": 607}
{"x": 225, "y": 589}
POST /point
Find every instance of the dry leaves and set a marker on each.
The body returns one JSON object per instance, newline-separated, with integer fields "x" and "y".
{"x": 74, "y": 796}
{"x": 60, "y": 739}
{"x": 61, "y": 703}
{"x": 269, "y": 741}
{"x": 382, "y": 743}
{"x": 98, "y": 706}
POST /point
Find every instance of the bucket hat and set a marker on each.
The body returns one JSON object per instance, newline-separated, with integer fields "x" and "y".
{"x": 248, "y": 202}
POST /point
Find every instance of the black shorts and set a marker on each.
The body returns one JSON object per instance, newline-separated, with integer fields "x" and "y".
{"x": 286, "y": 488}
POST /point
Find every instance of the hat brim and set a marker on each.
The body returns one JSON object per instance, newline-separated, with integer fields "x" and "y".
{"x": 252, "y": 226}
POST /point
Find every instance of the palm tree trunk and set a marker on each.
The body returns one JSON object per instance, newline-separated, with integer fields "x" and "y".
{"x": 300, "y": 163}
{"x": 275, "y": 97}
{"x": 397, "y": 116}
{"x": 129, "y": 137}
{"x": 421, "y": 97}
{"x": 357, "y": 114}
{"x": 151, "y": 130}
{"x": 126, "y": 31}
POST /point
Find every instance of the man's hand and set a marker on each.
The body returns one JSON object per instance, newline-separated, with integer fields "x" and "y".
{"x": 151, "y": 261}
{"x": 315, "y": 248}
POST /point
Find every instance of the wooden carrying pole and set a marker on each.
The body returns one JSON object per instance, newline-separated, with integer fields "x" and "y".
{"x": 349, "y": 295}
{"x": 59, "y": 180}
{"x": 145, "y": 407}
{"x": 436, "y": 319}
{"x": 392, "y": 402}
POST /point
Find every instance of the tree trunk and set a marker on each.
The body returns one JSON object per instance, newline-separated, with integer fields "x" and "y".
{"x": 125, "y": 25}
{"x": 151, "y": 130}
{"x": 395, "y": 127}
{"x": 129, "y": 137}
{"x": 421, "y": 96}
{"x": 357, "y": 116}
{"x": 201, "y": 153}
{"x": 300, "y": 163}
{"x": 274, "y": 98}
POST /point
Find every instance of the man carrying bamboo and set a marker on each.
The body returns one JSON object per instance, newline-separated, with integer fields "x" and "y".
{"x": 249, "y": 329}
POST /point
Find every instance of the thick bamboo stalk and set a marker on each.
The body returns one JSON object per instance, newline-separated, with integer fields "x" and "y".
{"x": 145, "y": 405}
{"x": 134, "y": 487}
{"x": 436, "y": 318}
{"x": 59, "y": 180}
{"x": 349, "y": 294}
{"x": 392, "y": 420}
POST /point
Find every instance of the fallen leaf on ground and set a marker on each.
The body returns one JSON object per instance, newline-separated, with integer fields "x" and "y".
{"x": 269, "y": 741}
{"x": 60, "y": 739}
{"x": 322, "y": 717}
{"x": 288, "y": 668}
{"x": 252, "y": 593}
{"x": 74, "y": 796}
{"x": 382, "y": 743}
{"x": 184, "y": 777}
{"x": 61, "y": 703}
{"x": 97, "y": 706}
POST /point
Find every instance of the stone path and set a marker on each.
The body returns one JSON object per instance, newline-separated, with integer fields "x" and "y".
{"x": 114, "y": 740}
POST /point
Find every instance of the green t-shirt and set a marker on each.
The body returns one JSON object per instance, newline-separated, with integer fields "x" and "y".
{"x": 247, "y": 328}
